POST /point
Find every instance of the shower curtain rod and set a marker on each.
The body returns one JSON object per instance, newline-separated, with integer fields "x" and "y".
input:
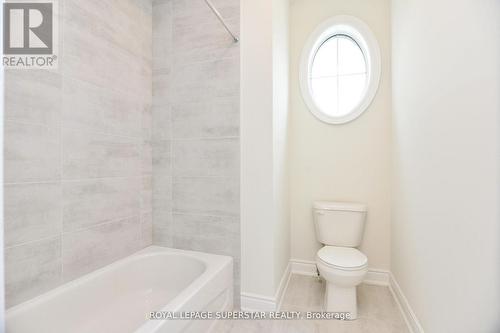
{"x": 216, "y": 12}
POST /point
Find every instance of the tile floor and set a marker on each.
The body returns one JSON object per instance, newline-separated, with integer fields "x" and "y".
{"x": 377, "y": 312}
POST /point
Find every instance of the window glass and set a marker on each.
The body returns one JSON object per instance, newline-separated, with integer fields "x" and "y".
{"x": 338, "y": 75}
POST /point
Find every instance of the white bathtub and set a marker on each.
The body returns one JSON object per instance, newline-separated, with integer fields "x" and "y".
{"x": 119, "y": 297}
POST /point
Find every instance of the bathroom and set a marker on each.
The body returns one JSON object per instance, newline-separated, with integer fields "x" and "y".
{"x": 250, "y": 166}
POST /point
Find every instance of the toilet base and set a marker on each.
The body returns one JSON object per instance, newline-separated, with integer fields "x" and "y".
{"x": 341, "y": 300}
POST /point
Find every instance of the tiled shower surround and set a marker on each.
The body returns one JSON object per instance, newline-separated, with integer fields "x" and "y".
{"x": 77, "y": 149}
{"x": 196, "y": 128}
{"x": 134, "y": 139}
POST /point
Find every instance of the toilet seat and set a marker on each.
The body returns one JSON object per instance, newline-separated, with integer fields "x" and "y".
{"x": 343, "y": 258}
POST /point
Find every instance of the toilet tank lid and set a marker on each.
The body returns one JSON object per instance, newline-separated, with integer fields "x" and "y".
{"x": 341, "y": 206}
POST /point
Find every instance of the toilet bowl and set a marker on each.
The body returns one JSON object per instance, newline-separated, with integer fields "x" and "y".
{"x": 339, "y": 227}
{"x": 343, "y": 268}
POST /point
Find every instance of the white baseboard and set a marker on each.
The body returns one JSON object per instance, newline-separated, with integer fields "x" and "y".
{"x": 408, "y": 314}
{"x": 255, "y": 302}
{"x": 285, "y": 279}
{"x": 379, "y": 277}
{"x": 374, "y": 276}
{"x": 303, "y": 267}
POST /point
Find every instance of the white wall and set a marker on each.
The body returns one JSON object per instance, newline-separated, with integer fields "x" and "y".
{"x": 281, "y": 139}
{"x": 256, "y": 128}
{"x": 445, "y": 232}
{"x": 264, "y": 99}
{"x": 341, "y": 162}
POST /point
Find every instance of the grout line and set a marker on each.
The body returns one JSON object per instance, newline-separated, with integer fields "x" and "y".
{"x": 170, "y": 128}
{"x": 62, "y": 12}
{"x": 173, "y": 212}
{"x": 205, "y": 138}
{"x": 41, "y": 182}
{"x": 60, "y": 124}
{"x": 182, "y": 179}
{"x": 101, "y": 178}
{"x": 98, "y": 132}
{"x": 33, "y": 123}
{"x": 124, "y": 91}
{"x": 116, "y": 220}
{"x": 193, "y": 63}
{"x": 61, "y": 234}
{"x": 76, "y": 180}
{"x": 55, "y": 236}
{"x": 201, "y": 214}
{"x": 61, "y": 170}
{"x": 204, "y": 177}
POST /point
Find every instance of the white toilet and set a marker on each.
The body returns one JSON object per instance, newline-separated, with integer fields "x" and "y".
{"x": 339, "y": 227}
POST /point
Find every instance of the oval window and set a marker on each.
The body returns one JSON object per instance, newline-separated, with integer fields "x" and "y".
{"x": 340, "y": 70}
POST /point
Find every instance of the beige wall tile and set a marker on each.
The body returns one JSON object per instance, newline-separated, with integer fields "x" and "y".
{"x": 33, "y": 96}
{"x": 162, "y": 35}
{"x": 110, "y": 67}
{"x": 90, "y": 107}
{"x": 90, "y": 249}
{"x": 31, "y": 152}
{"x": 214, "y": 196}
{"x": 196, "y": 98}
{"x": 90, "y": 155}
{"x": 202, "y": 82}
{"x": 199, "y": 36}
{"x": 147, "y": 194}
{"x": 32, "y": 212}
{"x": 89, "y": 123}
{"x": 147, "y": 229}
{"x": 126, "y": 31}
{"x": 213, "y": 234}
{"x": 90, "y": 202}
{"x": 147, "y": 158}
{"x": 32, "y": 269}
{"x": 210, "y": 119}
{"x": 162, "y": 192}
{"x": 206, "y": 158}
{"x": 162, "y": 157}
{"x": 161, "y": 128}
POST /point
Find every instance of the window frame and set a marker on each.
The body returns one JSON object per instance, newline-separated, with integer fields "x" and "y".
{"x": 362, "y": 35}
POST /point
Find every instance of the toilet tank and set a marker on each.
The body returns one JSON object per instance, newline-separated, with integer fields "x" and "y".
{"x": 339, "y": 223}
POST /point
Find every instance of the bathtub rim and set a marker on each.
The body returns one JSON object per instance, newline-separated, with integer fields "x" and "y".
{"x": 213, "y": 263}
